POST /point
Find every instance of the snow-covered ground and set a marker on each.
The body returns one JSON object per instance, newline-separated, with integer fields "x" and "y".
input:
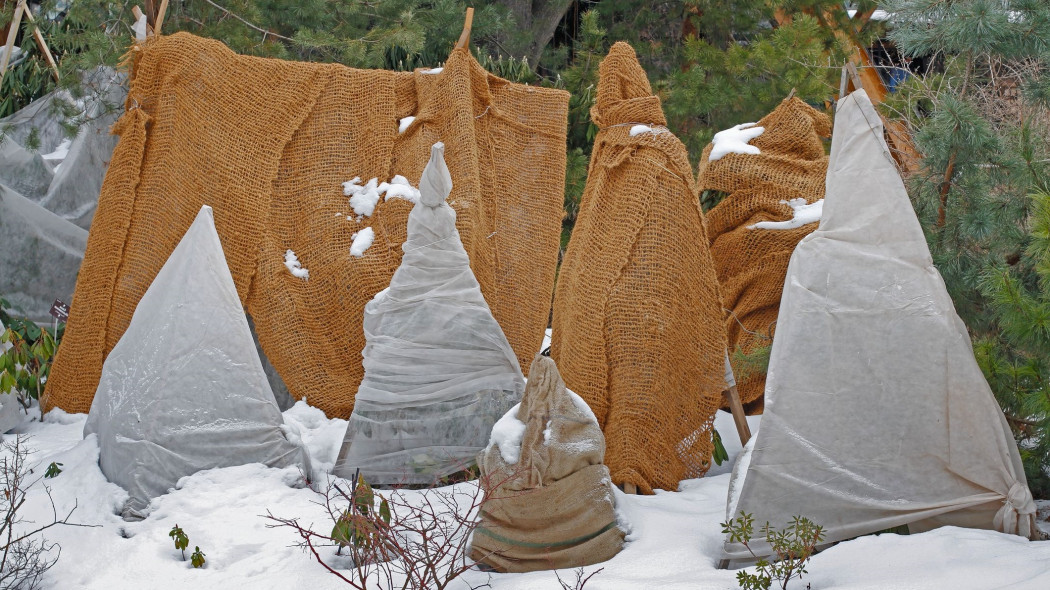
{"x": 673, "y": 540}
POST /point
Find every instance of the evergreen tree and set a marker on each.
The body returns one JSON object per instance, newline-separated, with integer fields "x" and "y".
{"x": 744, "y": 58}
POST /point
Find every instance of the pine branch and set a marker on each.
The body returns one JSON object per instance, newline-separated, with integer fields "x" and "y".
{"x": 260, "y": 29}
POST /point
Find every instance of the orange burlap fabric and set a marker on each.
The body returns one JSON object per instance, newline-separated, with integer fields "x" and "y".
{"x": 752, "y": 263}
{"x": 637, "y": 328}
{"x": 267, "y": 143}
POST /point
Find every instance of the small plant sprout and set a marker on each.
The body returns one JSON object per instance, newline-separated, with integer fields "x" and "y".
{"x": 197, "y": 558}
{"x": 181, "y": 540}
{"x": 357, "y": 525}
{"x": 53, "y": 470}
{"x": 792, "y": 546}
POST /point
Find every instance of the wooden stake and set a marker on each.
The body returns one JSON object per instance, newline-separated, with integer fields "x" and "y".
{"x": 40, "y": 40}
{"x": 159, "y": 22}
{"x": 791, "y": 94}
{"x": 630, "y": 488}
{"x": 739, "y": 417}
{"x": 11, "y": 34}
{"x": 464, "y": 37}
{"x": 854, "y": 76}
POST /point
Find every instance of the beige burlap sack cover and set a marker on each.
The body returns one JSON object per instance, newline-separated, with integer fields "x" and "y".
{"x": 637, "y": 328}
{"x": 267, "y": 144}
{"x": 548, "y": 497}
{"x": 752, "y": 262}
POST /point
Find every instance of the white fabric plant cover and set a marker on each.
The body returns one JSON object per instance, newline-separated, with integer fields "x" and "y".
{"x": 438, "y": 370}
{"x": 183, "y": 389}
{"x": 40, "y": 255}
{"x": 877, "y": 414}
{"x": 67, "y": 185}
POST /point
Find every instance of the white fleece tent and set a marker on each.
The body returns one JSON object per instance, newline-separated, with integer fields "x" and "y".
{"x": 183, "y": 390}
{"x": 439, "y": 371}
{"x": 877, "y": 414}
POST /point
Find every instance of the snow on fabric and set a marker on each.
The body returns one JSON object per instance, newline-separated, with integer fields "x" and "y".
{"x": 734, "y": 141}
{"x": 399, "y": 188}
{"x": 363, "y": 198}
{"x": 506, "y": 435}
{"x": 404, "y": 124}
{"x": 438, "y": 370}
{"x": 60, "y": 152}
{"x": 362, "y": 242}
{"x": 888, "y": 366}
{"x": 432, "y": 71}
{"x": 184, "y": 389}
{"x": 294, "y": 266}
{"x": 804, "y": 213}
{"x": 552, "y": 505}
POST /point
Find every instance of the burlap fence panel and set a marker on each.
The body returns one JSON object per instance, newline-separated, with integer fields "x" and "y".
{"x": 267, "y": 143}
{"x": 554, "y": 507}
{"x": 637, "y": 328}
{"x": 752, "y": 263}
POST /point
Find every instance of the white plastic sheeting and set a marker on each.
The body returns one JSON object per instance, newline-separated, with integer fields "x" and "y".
{"x": 877, "y": 414}
{"x": 183, "y": 389}
{"x": 439, "y": 371}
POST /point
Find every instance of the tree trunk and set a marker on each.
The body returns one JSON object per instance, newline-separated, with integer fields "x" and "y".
{"x": 537, "y": 19}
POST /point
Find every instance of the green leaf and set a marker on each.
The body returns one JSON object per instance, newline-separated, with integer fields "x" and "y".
{"x": 384, "y": 511}
{"x": 7, "y": 382}
{"x": 720, "y": 455}
{"x": 342, "y": 530}
{"x": 53, "y": 470}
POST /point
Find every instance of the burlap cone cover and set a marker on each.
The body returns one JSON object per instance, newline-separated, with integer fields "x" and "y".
{"x": 268, "y": 143}
{"x": 752, "y": 262}
{"x": 553, "y": 507}
{"x": 637, "y": 328}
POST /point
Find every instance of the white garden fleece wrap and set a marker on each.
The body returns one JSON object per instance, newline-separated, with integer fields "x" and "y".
{"x": 183, "y": 390}
{"x": 885, "y": 419}
{"x": 439, "y": 371}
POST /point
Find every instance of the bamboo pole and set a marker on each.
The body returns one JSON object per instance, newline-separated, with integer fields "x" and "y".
{"x": 12, "y": 33}
{"x": 464, "y": 37}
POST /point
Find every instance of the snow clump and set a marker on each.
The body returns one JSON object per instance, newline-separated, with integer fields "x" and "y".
{"x": 363, "y": 198}
{"x": 400, "y": 188}
{"x": 803, "y": 214}
{"x": 362, "y": 241}
{"x": 734, "y": 141}
{"x": 507, "y": 433}
{"x": 294, "y": 266}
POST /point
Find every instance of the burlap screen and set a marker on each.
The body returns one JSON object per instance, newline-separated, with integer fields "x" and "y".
{"x": 267, "y": 144}
{"x": 637, "y": 328}
{"x": 752, "y": 263}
